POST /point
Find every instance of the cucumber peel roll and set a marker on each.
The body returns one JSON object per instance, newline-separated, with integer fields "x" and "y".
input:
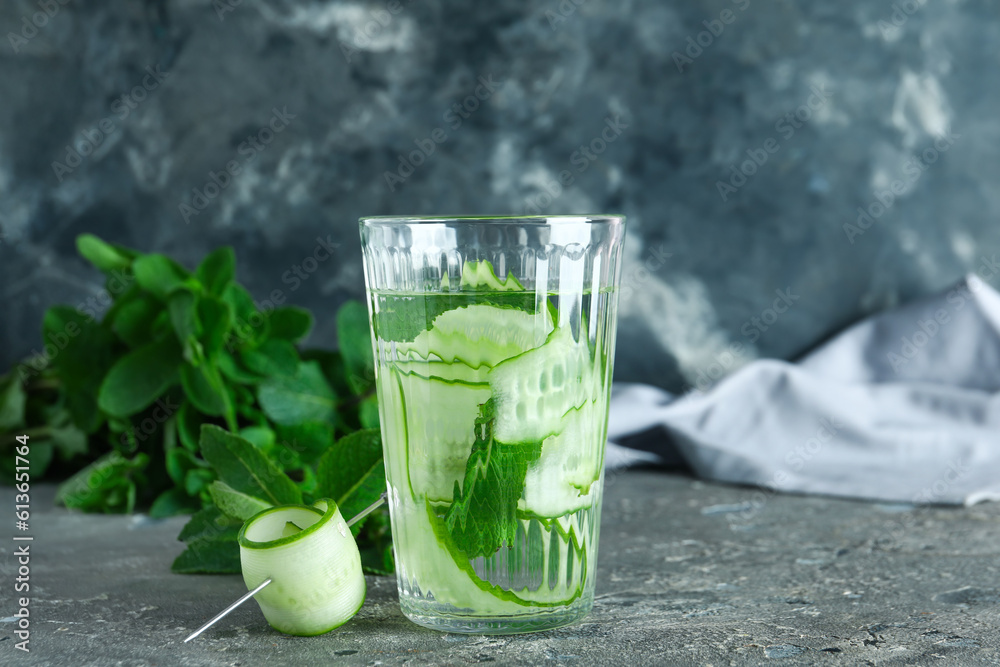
{"x": 317, "y": 583}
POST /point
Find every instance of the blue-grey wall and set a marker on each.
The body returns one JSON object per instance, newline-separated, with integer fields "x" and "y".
{"x": 644, "y": 107}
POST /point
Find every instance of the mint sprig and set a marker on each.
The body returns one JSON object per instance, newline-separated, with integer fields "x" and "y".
{"x": 483, "y": 516}
{"x": 185, "y": 396}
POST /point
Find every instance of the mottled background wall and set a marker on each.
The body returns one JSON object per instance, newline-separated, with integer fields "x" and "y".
{"x": 837, "y": 104}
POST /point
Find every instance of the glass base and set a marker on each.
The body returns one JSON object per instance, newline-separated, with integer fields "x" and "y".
{"x": 435, "y": 616}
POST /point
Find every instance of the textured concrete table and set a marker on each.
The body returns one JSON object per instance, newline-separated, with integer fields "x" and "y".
{"x": 689, "y": 573}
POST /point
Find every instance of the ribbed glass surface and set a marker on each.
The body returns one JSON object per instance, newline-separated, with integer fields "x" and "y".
{"x": 436, "y": 390}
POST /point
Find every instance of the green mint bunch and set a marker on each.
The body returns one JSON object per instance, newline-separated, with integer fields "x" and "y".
{"x": 180, "y": 361}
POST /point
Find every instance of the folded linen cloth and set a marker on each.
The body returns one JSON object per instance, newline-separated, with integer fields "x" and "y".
{"x": 903, "y": 407}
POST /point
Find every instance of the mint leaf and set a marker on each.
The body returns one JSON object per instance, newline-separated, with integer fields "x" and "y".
{"x": 140, "y": 377}
{"x": 171, "y": 503}
{"x": 204, "y": 389}
{"x": 216, "y": 555}
{"x": 179, "y": 461}
{"x": 290, "y": 323}
{"x": 273, "y": 357}
{"x": 304, "y": 443}
{"x": 234, "y": 369}
{"x": 216, "y": 318}
{"x": 104, "y": 256}
{"x": 355, "y": 340}
{"x": 302, "y": 397}
{"x": 352, "y": 472}
{"x": 368, "y": 412}
{"x": 68, "y": 440}
{"x": 189, "y": 426}
{"x": 106, "y": 485}
{"x": 86, "y": 356}
{"x": 198, "y": 480}
{"x": 133, "y": 320}
{"x": 260, "y": 437}
{"x": 12, "y": 402}
{"x": 235, "y": 504}
{"x": 212, "y": 546}
{"x": 159, "y": 274}
{"x": 483, "y": 516}
{"x": 247, "y": 319}
{"x": 182, "y": 305}
{"x": 217, "y": 271}
{"x": 209, "y": 523}
{"x": 243, "y": 467}
{"x": 332, "y": 365}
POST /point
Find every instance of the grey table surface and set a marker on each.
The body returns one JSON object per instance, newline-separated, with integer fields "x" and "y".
{"x": 689, "y": 573}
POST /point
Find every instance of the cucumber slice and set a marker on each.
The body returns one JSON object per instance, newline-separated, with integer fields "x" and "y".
{"x": 480, "y": 275}
{"x": 392, "y": 422}
{"x": 440, "y": 418}
{"x": 534, "y": 390}
{"x": 440, "y": 370}
{"x": 560, "y": 481}
{"x": 430, "y": 563}
{"x": 566, "y": 566}
{"x": 316, "y": 579}
{"x": 480, "y": 334}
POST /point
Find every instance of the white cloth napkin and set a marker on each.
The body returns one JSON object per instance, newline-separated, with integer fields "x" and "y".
{"x": 903, "y": 407}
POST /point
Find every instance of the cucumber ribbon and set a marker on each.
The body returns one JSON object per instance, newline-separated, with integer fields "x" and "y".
{"x": 313, "y": 561}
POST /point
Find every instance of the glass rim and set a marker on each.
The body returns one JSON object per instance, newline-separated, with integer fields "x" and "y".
{"x": 533, "y": 220}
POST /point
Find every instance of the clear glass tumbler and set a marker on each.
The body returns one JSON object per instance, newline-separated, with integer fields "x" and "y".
{"x": 494, "y": 341}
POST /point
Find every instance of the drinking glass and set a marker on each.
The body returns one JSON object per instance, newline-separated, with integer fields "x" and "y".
{"x": 494, "y": 342}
